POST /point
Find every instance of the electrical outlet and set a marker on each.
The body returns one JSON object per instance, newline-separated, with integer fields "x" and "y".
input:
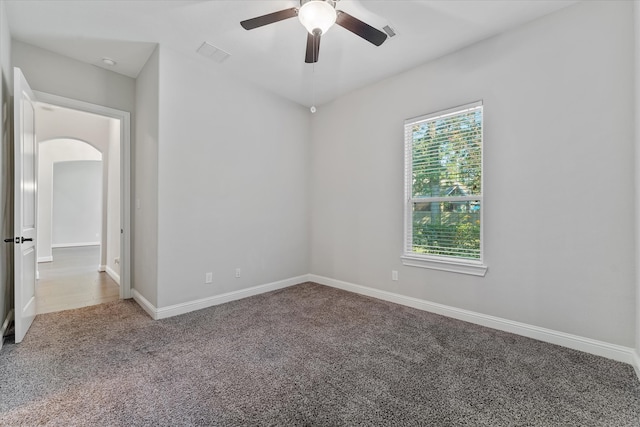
{"x": 237, "y": 273}
{"x": 208, "y": 278}
{"x": 394, "y": 275}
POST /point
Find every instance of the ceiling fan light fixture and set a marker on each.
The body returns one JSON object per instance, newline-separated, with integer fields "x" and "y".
{"x": 317, "y": 14}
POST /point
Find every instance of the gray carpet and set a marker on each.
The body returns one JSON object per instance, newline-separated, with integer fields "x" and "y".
{"x": 306, "y": 355}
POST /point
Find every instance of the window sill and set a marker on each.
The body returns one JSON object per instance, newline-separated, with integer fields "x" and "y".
{"x": 474, "y": 268}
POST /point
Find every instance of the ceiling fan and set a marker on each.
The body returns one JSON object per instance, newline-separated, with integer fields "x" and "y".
{"x": 317, "y": 16}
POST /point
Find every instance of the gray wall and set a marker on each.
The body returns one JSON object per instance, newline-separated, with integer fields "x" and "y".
{"x": 232, "y": 183}
{"x": 558, "y": 175}
{"x": 50, "y": 72}
{"x": 6, "y": 168}
{"x": 77, "y": 202}
{"x": 145, "y": 174}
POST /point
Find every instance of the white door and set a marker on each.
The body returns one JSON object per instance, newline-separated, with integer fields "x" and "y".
{"x": 24, "y": 204}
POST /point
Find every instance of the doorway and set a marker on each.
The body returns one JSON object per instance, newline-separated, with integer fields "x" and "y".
{"x": 83, "y": 220}
{"x": 75, "y": 192}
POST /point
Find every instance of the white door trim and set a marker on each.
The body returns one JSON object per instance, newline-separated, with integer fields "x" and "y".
{"x": 125, "y": 175}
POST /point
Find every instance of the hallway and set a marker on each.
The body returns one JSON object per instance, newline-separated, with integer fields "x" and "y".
{"x": 72, "y": 281}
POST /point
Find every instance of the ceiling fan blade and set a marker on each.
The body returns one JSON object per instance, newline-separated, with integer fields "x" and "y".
{"x": 270, "y": 18}
{"x": 359, "y": 28}
{"x": 313, "y": 47}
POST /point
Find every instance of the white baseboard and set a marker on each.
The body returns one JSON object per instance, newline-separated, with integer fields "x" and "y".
{"x": 636, "y": 362}
{"x": 145, "y": 304}
{"x": 73, "y": 245}
{"x": 5, "y": 326}
{"x": 588, "y": 345}
{"x": 102, "y": 268}
{"x": 115, "y": 276}
{"x": 45, "y": 259}
{"x": 186, "y": 307}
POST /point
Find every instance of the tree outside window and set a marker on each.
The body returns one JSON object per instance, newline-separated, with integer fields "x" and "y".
{"x": 444, "y": 180}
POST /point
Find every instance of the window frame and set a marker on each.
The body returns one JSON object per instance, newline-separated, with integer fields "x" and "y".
{"x": 474, "y": 267}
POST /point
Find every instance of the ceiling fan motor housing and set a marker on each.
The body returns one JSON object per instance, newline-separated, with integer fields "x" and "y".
{"x": 331, "y": 2}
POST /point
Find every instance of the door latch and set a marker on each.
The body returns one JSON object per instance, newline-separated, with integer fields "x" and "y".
{"x": 18, "y": 240}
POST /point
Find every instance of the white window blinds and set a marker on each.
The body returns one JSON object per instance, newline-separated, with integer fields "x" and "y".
{"x": 443, "y": 167}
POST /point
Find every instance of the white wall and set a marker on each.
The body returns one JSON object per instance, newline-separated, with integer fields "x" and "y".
{"x": 50, "y": 72}
{"x": 232, "y": 183}
{"x": 113, "y": 203}
{"x": 77, "y": 203}
{"x": 558, "y": 175}
{"x": 6, "y": 168}
{"x": 68, "y": 123}
{"x": 145, "y": 176}
{"x": 51, "y": 152}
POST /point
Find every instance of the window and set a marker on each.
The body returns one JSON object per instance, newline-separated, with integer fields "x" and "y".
{"x": 443, "y": 170}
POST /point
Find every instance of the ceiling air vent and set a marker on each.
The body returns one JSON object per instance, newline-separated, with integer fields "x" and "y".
{"x": 390, "y": 31}
{"x": 212, "y": 52}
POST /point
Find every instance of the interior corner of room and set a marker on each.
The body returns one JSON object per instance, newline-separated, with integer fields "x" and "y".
{"x": 236, "y": 190}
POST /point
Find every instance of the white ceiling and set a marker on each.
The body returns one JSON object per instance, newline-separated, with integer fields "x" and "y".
{"x": 272, "y": 56}
{"x": 48, "y": 114}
